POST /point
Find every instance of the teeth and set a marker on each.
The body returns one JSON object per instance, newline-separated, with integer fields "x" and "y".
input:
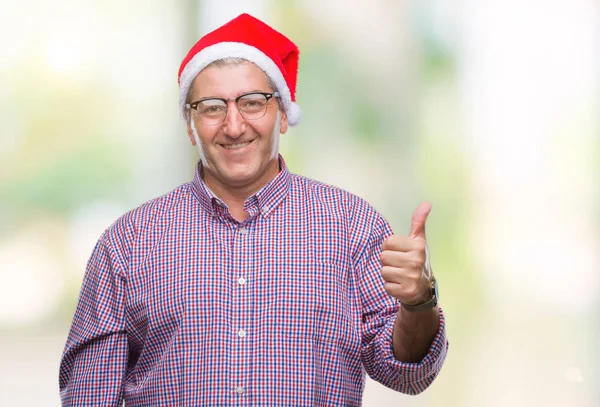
{"x": 232, "y": 146}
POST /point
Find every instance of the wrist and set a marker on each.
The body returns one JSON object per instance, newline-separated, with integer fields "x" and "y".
{"x": 429, "y": 301}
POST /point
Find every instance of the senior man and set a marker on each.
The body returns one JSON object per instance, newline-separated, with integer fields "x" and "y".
{"x": 250, "y": 285}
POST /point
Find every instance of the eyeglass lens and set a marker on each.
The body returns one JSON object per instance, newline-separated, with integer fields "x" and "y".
{"x": 213, "y": 111}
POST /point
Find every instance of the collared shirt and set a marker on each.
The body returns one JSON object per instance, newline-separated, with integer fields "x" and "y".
{"x": 182, "y": 305}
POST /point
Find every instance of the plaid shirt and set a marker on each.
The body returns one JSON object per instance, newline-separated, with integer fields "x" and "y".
{"x": 182, "y": 305}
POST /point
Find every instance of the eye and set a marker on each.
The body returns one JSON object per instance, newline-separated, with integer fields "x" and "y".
{"x": 211, "y": 107}
{"x": 252, "y": 102}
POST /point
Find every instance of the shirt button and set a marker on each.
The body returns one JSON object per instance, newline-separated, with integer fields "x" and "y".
{"x": 239, "y": 390}
{"x": 241, "y": 281}
{"x": 241, "y": 333}
{"x": 243, "y": 231}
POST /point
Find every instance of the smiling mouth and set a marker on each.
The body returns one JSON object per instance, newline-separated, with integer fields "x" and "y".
{"x": 236, "y": 146}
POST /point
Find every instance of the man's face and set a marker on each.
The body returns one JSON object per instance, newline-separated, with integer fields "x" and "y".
{"x": 237, "y": 154}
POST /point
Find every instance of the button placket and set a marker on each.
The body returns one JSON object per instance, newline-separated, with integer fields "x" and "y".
{"x": 241, "y": 281}
{"x": 241, "y": 346}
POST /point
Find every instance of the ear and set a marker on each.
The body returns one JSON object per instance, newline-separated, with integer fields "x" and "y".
{"x": 190, "y": 132}
{"x": 283, "y": 123}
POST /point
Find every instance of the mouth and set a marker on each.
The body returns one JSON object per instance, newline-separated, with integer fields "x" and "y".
{"x": 236, "y": 145}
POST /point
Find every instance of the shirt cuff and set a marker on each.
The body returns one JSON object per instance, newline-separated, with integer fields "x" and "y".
{"x": 418, "y": 376}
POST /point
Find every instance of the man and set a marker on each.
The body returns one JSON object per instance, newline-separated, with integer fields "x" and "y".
{"x": 251, "y": 285}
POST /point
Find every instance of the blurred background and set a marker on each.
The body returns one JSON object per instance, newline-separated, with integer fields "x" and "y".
{"x": 488, "y": 109}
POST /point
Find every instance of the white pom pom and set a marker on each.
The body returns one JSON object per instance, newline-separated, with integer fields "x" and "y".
{"x": 294, "y": 114}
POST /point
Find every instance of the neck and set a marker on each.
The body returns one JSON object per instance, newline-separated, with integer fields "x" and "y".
{"x": 235, "y": 197}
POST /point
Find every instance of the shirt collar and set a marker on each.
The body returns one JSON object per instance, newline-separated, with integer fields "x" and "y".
{"x": 263, "y": 201}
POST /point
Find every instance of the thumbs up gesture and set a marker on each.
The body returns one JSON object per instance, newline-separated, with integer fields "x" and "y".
{"x": 406, "y": 271}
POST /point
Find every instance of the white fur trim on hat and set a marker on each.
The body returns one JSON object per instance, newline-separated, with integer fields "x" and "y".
{"x": 238, "y": 50}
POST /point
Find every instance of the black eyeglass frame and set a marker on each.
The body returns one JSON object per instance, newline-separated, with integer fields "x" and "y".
{"x": 267, "y": 95}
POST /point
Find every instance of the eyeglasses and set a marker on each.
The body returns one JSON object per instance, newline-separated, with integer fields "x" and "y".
{"x": 252, "y": 106}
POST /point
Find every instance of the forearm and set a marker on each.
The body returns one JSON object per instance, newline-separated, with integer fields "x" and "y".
{"x": 414, "y": 333}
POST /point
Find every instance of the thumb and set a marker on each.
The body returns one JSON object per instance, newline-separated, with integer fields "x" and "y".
{"x": 417, "y": 224}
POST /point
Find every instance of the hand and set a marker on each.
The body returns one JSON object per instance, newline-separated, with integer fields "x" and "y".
{"x": 405, "y": 262}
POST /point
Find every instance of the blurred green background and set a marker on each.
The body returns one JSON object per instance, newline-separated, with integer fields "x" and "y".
{"x": 488, "y": 109}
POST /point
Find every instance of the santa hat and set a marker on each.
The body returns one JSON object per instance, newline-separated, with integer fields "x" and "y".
{"x": 248, "y": 38}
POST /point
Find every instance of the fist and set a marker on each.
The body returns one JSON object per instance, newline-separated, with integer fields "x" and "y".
{"x": 406, "y": 270}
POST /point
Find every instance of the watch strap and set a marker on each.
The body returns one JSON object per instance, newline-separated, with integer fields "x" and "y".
{"x": 432, "y": 303}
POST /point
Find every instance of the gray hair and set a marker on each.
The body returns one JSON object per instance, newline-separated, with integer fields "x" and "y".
{"x": 233, "y": 61}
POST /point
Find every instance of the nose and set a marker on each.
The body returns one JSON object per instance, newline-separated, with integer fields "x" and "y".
{"x": 234, "y": 124}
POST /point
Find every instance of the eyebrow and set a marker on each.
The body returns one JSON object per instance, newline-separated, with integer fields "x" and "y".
{"x": 243, "y": 93}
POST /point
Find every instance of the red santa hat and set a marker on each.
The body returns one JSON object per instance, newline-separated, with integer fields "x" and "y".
{"x": 248, "y": 38}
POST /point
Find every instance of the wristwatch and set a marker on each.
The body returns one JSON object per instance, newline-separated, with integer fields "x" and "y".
{"x": 429, "y": 304}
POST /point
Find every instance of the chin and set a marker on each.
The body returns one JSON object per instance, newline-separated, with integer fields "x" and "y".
{"x": 243, "y": 172}
{"x": 240, "y": 168}
{"x": 240, "y": 173}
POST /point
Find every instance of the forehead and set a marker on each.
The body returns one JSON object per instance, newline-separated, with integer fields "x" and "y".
{"x": 229, "y": 81}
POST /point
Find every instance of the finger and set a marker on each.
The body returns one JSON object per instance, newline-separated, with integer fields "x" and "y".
{"x": 398, "y": 275}
{"x": 393, "y": 289}
{"x": 405, "y": 293}
{"x": 391, "y": 274}
{"x": 402, "y": 244}
{"x": 412, "y": 260}
{"x": 419, "y": 217}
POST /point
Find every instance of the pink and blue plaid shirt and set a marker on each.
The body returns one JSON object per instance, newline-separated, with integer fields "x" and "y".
{"x": 182, "y": 305}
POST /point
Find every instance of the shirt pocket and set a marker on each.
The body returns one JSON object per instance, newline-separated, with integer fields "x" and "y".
{"x": 312, "y": 304}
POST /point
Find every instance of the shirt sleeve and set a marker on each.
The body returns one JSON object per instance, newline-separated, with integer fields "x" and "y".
{"x": 379, "y": 311}
{"x": 95, "y": 355}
